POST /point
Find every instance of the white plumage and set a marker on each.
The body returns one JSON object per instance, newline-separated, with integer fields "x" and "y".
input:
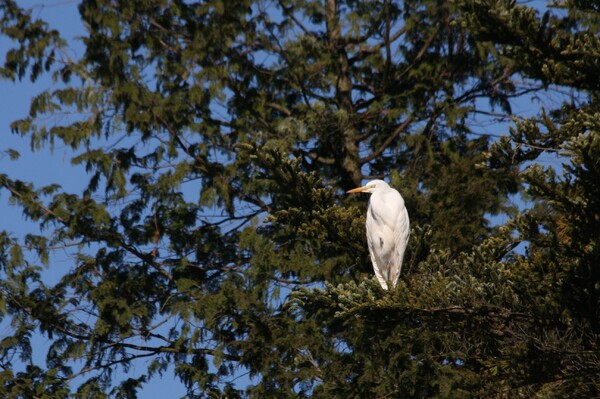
{"x": 388, "y": 229}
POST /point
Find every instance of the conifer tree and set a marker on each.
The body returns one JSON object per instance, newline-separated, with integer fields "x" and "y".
{"x": 214, "y": 236}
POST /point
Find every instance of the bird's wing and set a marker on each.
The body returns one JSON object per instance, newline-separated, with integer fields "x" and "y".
{"x": 401, "y": 235}
{"x": 371, "y": 244}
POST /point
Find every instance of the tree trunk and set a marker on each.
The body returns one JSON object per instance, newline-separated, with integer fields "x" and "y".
{"x": 348, "y": 163}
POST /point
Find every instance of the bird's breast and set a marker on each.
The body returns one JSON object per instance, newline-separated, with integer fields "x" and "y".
{"x": 385, "y": 207}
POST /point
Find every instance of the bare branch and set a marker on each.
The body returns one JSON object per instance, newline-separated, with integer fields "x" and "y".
{"x": 401, "y": 128}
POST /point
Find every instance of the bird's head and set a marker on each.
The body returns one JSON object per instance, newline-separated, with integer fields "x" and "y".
{"x": 370, "y": 187}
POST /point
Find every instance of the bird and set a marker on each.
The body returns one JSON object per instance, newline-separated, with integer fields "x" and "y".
{"x": 388, "y": 230}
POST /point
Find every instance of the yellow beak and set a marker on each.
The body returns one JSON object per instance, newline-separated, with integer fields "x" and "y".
{"x": 357, "y": 190}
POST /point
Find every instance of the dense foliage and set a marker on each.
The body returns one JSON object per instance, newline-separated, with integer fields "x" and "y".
{"x": 214, "y": 235}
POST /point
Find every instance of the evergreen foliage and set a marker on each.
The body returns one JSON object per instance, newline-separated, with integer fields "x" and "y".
{"x": 214, "y": 235}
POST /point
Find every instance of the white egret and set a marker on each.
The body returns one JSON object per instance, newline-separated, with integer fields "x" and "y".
{"x": 388, "y": 229}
